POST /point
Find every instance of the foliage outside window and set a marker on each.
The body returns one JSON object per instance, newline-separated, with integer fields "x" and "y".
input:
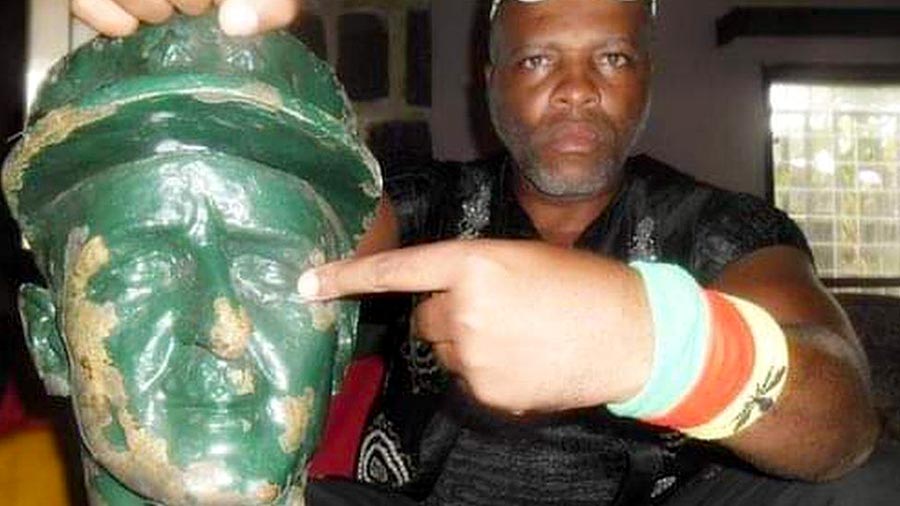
{"x": 836, "y": 171}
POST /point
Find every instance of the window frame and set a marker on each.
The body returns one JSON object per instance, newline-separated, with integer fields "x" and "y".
{"x": 828, "y": 74}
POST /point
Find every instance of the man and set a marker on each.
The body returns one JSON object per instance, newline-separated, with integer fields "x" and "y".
{"x": 542, "y": 332}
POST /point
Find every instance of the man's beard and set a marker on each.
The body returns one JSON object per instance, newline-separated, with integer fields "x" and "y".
{"x": 600, "y": 175}
{"x": 552, "y": 183}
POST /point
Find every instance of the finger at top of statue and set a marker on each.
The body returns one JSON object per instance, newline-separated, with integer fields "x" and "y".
{"x": 192, "y": 7}
{"x": 429, "y": 268}
{"x": 105, "y": 16}
{"x": 251, "y": 17}
{"x": 118, "y": 18}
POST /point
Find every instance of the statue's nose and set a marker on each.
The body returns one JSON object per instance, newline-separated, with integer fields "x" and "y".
{"x": 231, "y": 329}
{"x": 215, "y": 367}
{"x": 224, "y": 326}
{"x": 196, "y": 378}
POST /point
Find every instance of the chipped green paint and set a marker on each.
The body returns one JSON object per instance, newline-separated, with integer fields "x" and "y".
{"x": 174, "y": 185}
{"x": 272, "y": 100}
{"x": 297, "y": 412}
{"x": 231, "y": 332}
{"x": 54, "y": 129}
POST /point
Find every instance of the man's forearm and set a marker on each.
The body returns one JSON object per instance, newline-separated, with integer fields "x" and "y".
{"x": 803, "y": 409}
{"x": 824, "y": 424}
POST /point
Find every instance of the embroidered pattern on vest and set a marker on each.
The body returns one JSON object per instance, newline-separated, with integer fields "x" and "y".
{"x": 643, "y": 242}
{"x": 426, "y": 374}
{"x": 476, "y": 210}
{"x": 381, "y": 461}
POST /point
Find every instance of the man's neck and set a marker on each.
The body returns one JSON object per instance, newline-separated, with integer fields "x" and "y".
{"x": 561, "y": 221}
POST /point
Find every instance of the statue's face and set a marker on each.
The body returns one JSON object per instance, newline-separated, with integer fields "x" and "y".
{"x": 197, "y": 373}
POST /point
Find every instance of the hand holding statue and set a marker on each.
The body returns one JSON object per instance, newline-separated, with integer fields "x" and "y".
{"x": 118, "y": 18}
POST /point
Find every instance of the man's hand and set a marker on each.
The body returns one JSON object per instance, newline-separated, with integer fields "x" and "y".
{"x": 118, "y": 18}
{"x": 526, "y": 325}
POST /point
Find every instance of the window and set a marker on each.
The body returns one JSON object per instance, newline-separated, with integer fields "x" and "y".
{"x": 835, "y": 155}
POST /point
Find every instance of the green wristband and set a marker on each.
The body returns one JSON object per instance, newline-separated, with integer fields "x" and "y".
{"x": 681, "y": 323}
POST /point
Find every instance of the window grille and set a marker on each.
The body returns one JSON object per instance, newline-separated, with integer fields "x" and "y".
{"x": 835, "y": 152}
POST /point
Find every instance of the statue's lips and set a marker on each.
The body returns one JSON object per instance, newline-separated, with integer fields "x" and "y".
{"x": 243, "y": 405}
{"x": 217, "y": 417}
{"x": 224, "y": 436}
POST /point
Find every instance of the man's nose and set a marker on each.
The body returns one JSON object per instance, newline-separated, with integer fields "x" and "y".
{"x": 577, "y": 87}
{"x": 225, "y": 327}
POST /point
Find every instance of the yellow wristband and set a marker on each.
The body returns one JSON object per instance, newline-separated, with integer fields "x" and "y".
{"x": 765, "y": 384}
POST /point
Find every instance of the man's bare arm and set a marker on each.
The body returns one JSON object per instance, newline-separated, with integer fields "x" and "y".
{"x": 526, "y": 326}
{"x": 383, "y": 233}
{"x": 824, "y": 423}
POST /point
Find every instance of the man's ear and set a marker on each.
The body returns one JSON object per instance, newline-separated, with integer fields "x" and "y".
{"x": 488, "y": 74}
{"x": 43, "y": 338}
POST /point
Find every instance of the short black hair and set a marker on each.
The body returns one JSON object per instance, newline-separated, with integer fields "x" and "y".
{"x": 485, "y": 24}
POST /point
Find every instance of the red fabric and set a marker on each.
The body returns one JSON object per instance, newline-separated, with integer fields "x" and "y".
{"x": 12, "y": 412}
{"x": 347, "y": 417}
{"x": 729, "y": 365}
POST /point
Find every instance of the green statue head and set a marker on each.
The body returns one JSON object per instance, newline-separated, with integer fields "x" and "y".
{"x": 173, "y": 186}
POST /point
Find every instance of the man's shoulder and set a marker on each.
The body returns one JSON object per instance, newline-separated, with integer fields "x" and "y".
{"x": 710, "y": 226}
{"x": 715, "y": 205}
{"x": 441, "y": 171}
{"x": 666, "y": 186}
{"x": 429, "y": 197}
{"x": 432, "y": 182}
{"x": 646, "y": 168}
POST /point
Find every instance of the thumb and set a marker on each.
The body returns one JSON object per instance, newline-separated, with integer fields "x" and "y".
{"x": 251, "y": 17}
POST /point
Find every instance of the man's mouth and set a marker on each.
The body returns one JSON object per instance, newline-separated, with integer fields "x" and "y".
{"x": 572, "y": 137}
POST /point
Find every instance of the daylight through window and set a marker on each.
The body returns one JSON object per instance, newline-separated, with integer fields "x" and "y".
{"x": 836, "y": 162}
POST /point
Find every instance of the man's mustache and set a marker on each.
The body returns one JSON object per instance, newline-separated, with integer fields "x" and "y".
{"x": 597, "y": 126}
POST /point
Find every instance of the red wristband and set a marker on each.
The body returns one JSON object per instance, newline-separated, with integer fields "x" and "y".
{"x": 728, "y": 366}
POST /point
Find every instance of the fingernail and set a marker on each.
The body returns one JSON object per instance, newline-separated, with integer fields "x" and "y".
{"x": 308, "y": 285}
{"x": 239, "y": 18}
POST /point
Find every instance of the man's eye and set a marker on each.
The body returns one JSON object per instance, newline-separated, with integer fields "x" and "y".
{"x": 535, "y": 62}
{"x": 615, "y": 60}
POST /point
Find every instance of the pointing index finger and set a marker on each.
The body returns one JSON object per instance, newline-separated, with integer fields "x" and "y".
{"x": 428, "y": 268}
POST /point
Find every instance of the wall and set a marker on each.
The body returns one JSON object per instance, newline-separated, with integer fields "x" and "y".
{"x": 13, "y": 265}
{"x": 455, "y": 95}
{"x": 11, "y": 84}
{"x": 381, "y": 50}
{"x": 709, "y": 116}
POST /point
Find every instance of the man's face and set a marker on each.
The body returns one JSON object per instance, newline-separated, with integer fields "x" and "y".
{"x": 569, "y": 90}
{"x": 198, "y": 375}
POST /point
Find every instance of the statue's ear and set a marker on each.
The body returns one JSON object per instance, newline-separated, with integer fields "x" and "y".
{"x": 43, "y": 338}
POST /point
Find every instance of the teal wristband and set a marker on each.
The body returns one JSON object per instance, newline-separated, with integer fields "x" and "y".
{"x": 681, "y": 323}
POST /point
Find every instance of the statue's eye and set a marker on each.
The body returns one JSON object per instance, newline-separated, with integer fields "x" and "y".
{"x": 135, "y": 277}
{"x": 264, "y": 279}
